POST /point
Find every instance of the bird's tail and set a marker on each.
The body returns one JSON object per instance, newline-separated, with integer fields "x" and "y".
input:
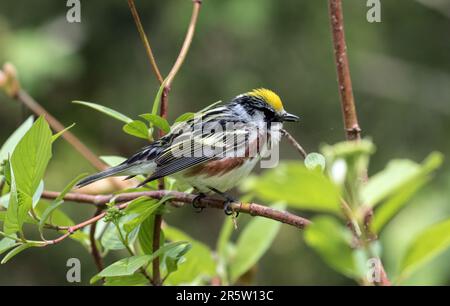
{"x": 117, "y": 170}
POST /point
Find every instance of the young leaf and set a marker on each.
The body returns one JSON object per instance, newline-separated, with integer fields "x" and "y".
{"x": 6, "y": 244}
{"x": 331, "y": 240}
{"x": 57, "y": 135}
{"x": 157, "y": 121}
{"x": 252, "y": 243}
{"x": 157, "y": 100}
{"x": 10, "y": 144}
{"x": 140, "y": 209}
{"x": 185, "y": 117}
{"x": 106, "y": 110}
{"x": 426, "y": 246}
{"x": 136, "y": 128}
{"x": 315, "y": 160}
{"x": 297, "y": 186}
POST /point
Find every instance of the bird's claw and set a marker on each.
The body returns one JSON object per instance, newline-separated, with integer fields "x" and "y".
{"x": 228, "y": 209}
{"x": 196, "y": 202}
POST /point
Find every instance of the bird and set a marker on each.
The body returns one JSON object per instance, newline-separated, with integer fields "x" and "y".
{"x": 213, "y": 150}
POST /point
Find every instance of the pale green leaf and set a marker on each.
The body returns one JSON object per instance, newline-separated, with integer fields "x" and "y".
{"x": 10, "y": 144}
{"x": 252, "y": 243}
{"x": 295, "y": 185}
{"x": 426, "y": 245}
{"x": 331, "y": 241}
{"x": 137, "y": 279}
{"x": 112, "y": 160}
{"x": 157, "y": 121}
{"x": 315, "y": 160}
{"x": 106, "y": 110}
{"x": 185, "y": 117}
{"x": 136, "y": 128}
{"x": 20, "y": 249}
{"x": 157, "y": 100}
{"x": 57, "y": 135}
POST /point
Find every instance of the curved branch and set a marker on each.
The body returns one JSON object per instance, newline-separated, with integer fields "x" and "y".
{"x": 252, "y": 209}
{"x": 145, "y": 41}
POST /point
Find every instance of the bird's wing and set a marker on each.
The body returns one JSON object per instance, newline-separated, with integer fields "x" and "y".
{"x": 188, "y": 144}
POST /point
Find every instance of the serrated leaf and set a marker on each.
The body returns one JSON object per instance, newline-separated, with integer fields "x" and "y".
{"x": 252, "y": 244}
{"x": 157, "y": 121}
{"x": 106, "y": 110}
{"x": 10, "y": 144}
{"x": 136, "y": 128}
{"x": 426, "y": 245}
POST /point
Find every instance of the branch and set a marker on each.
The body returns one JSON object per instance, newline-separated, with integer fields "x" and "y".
{"x": 94, "y": 249}
{"x": 294, "y": 143}
{"x": 252, "y": 209}
{"x": 352, "y": 129}
{"x": 145, "y": 41}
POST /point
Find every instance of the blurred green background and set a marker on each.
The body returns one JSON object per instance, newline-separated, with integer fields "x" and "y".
{"x": 400, "y": 70}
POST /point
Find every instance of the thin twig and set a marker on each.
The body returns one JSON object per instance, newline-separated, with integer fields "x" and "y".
{"x": 145, "y": 41}
{"x": 252, "y": 209}
{"x": 352, "y": 129}
{"x": 94, "y": 249}
{"x": 57, "y": 126}
{"x": 294, "y": 143}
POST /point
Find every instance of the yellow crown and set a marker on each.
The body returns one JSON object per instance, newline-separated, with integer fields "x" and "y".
{"x": 269, "y": 97}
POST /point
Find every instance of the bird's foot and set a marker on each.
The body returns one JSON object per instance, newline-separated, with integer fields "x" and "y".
{"x": 196, "y": 202}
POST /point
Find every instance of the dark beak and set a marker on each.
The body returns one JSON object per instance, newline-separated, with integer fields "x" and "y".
{"x": 289, "y": 117}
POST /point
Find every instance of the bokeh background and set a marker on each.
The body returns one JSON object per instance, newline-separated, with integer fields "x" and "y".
{"x": 401, "y": 76}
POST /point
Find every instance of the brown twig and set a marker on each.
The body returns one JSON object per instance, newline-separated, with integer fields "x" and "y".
{"x": 145, "y": 41}
{"x": 352, "y": 129}
{"x": 94, "y": 249}
{"x": 57, "y": 126}
{"x": 187, "y": 198}
{"x": 294, "y": 143}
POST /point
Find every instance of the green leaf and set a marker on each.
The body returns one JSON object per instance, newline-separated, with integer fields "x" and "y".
{"x": 331, "y": 241}
{"x": 10, "y": 144}
{"x": 111, "y": 238}
{"x": 157, "y": 121}
{"x": 315, "y": 160}
{"x": 136, "y": 279}
{"x": 175, "y": 256}
{"x": 224, "y": 237}
{"x": 403, "y": 186}
{"x": 297, "y": 186}
{"x": 31, "y": 156}
{"x": 199, "y": 261}
{"x": 112, "y": 160}
{"x": 157, "y": 100}
{"x": 140, "y": 209}
{"x": 185, "y": 117}
{"x": 426, "y": 245}
{"x": 6, "y": 244}
{"x": 57, "y": 135}
{"x": 398, "y": 174}
{"x": 251, "y": 245}
{"x": 136, "y": 128}
{"x": 128, "y": 266}
{"x": 58, "y": 201}
{"x": 145, "y": 235}
{"x": 106, "y": 110}
{"x": 20, "y": 249}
